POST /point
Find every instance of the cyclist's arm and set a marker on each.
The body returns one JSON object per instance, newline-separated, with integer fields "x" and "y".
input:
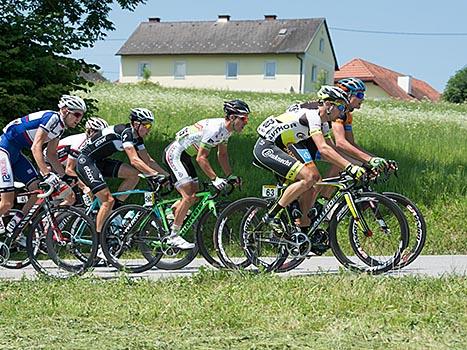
{"x": 223, "y": 158}
{"x": 36, "y": 149}
{"x": 343, "y": 144}
{"x": 203, "y": 161}
{"x": 137, "y": 162}
{"x": 145, "y": 157}
{"x": 327, "y": 151}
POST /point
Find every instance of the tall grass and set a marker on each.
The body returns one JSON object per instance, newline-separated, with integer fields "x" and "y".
{"x": 428, "y": 141}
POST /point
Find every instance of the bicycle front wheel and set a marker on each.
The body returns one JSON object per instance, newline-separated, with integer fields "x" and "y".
{"x": 374, "y": 243}
{"x": 70, "y": 241}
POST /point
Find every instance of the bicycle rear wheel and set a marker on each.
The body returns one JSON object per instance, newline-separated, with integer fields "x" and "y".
{"x": 204, "y": 235}
{"x": 131, "y": 238}
{"x": 374, "y": 251}
{"x": 241, "y": 239}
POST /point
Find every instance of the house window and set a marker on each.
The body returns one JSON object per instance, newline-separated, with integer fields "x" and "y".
{"x": 179, "y": 70}
{"x": 270, "y": 70}
{"x": 321, "y": 45}
{"x": 141, "y": 67}
{"x": 314, "y": 73}
{"x": 231, "y": 70}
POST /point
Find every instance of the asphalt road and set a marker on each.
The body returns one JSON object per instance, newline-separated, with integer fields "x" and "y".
{"x": 427, "y": 265}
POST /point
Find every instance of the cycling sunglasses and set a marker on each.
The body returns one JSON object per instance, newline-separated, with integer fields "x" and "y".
{"x": 148, "y": 126}
{"x": 340, "y": 106}
{"x": 77, "y": 114}
{"x": 243, "y": 117}
{"x": 360, "y": 95}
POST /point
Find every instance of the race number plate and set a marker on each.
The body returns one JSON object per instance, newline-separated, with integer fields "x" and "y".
{"x": 22, "y": 199}
{"x": 270, "y": 191}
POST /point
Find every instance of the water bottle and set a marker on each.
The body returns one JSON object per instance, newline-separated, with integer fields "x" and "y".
{"x": 87, "y": 200}
{"x": 148, "y": 199}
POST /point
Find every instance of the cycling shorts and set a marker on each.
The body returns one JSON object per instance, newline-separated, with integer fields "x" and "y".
{"x": 305, "y": 151}
{"x": 272, "y": 157}
{"x": 180, "y": 165}
{"x": 92, "y": 172}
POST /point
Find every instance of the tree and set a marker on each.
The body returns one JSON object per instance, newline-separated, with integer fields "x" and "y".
{"x": 35, "y": 38}
{"x": 321, "y": 79}
{"x": 456, "y": 88}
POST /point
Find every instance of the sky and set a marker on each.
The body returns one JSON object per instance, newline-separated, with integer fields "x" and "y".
{"x": 433, "y": 57}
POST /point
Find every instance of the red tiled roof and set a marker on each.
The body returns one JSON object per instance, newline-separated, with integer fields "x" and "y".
{"x": 386, "y": 79}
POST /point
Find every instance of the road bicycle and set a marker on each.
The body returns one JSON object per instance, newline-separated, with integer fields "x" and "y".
{"x": 135, "y": 237}
{"x": 375, "y": 225}
{"x": 49, "y": 232}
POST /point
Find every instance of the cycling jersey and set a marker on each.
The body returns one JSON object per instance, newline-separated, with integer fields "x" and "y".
{"x": 292, "y": 126}
{"x": 22, "y": 131}
{"x": 92, "y": 165}
{"x": 68, "y": 147}
{"x": 206, "y": 133}
{"x": 18, "y": 135}
{"x": 110, "y": 140}
{"x": 346, "y": 119}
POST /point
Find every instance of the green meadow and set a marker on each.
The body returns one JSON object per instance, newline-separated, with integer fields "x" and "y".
{"x": 218, "y": 310}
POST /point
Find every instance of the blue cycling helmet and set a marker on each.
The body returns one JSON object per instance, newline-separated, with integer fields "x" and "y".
{"x": 351, "y": 85}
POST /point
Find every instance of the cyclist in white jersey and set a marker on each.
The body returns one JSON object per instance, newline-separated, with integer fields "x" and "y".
{"x": 33, "y": 131}
{"x": 196, "y": 141}
{"x": 277, "y": 133}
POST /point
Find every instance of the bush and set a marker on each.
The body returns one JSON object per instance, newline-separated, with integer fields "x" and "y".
{"x": 456, "y": 88}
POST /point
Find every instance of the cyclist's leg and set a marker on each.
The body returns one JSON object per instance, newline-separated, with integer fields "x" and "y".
{"x": 327, "y": 191}
{"x": 26, "y": 173}
{"x": 89, "y": 173}
{"x": 7, "y": 189}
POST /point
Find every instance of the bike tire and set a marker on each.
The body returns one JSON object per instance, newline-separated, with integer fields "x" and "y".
{"x": 235, "y": 245}
{"x": 17, "y": 254}
{"x": 204, "y": 235}
{"x": 417, "y": 224}
{"x": 131, "y": 237}
{"x": 76, "y": 232}
{"x": 353, "y": 252}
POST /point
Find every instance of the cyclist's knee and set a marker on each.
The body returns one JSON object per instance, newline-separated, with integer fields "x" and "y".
{"x": 6, "y": 204}
{"x": 192, "y": 199}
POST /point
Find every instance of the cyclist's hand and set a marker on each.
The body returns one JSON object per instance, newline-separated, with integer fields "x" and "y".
{"x": 52, "y": 180}
{"x": 219, "y": 183}
{"x": 378, "y": 163}
{"x": 237, "y": 180}
{"x": 355, "y": 171}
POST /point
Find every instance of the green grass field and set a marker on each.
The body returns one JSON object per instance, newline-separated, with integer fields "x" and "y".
{"x": 235, "y": 311}
{"x": 427, "y": 140}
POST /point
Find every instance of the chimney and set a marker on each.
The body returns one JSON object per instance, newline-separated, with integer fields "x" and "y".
{"x": 154, "y": 19}
{"x": 405, "y": 83}
{"x": 223, "y": 18}
{"x": 270, "y": 17}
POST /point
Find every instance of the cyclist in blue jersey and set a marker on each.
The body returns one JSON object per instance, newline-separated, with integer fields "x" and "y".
{"x": 33, "y": 132}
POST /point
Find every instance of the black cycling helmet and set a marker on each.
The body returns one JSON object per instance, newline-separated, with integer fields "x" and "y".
{"x": 141, "y": 115}
{"x": 236, "y": 107}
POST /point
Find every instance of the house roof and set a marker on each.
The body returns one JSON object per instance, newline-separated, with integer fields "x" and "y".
{"x": 277, "y": 36}
{"x": 386, "y": 79}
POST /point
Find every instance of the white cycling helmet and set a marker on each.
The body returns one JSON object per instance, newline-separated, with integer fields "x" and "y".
{"x": 73, "y": 103}
{"x": 141, "y": 115}
{"x": 332, "y": 93}
{"x": 96, "y": 123}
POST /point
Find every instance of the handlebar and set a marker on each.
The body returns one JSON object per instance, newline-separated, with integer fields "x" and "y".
{"x": 46, "y": 193}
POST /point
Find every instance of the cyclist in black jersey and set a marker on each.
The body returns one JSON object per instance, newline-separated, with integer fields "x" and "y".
{"x": 97, "y": 149}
